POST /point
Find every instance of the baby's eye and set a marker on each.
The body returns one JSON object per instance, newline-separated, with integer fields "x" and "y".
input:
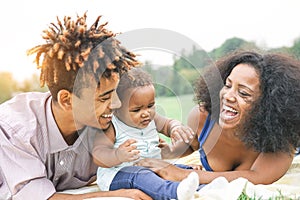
{"x": 135, "y": 110}
{"x": 151, "y": 105}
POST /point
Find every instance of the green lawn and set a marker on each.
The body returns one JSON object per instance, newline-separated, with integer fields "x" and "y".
{"x": 175, "y": 107}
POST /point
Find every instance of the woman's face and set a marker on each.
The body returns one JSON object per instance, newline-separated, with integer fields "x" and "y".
{"x": 241, "y": 89}
{"x": 138, "y": 107}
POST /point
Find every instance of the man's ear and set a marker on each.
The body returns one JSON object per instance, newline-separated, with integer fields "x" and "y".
{"x": 64, "y": 99}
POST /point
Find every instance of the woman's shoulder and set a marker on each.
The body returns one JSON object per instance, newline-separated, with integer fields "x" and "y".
{"x": 196, "y": 118}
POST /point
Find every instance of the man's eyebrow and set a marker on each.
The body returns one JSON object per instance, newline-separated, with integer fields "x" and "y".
{"x": 106, "y": 93}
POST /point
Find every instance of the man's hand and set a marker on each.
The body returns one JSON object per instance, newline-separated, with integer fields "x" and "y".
{"x": 129, "y": 193}
{"x": 133, "y": 193}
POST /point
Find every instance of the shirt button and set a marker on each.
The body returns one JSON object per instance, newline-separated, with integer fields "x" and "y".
{"x": 61, "y": 162}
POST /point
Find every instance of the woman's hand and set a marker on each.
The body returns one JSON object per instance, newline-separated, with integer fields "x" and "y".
{"x": 164, "y": 169}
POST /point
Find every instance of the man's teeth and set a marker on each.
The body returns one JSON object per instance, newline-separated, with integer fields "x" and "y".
{"x": 227, "y": 108}
{"x": 107, "y": 115}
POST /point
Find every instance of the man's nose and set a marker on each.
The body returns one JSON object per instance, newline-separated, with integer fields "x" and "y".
{"x": 115, "y": 101}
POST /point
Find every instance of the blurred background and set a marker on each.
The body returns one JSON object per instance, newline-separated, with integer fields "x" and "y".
{"x": 216, "y": 27}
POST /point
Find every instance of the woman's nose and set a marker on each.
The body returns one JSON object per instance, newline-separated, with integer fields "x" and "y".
{"x": 229, "y": 95}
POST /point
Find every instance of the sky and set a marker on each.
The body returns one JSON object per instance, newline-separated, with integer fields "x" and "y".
{"x": 178, "y": 23}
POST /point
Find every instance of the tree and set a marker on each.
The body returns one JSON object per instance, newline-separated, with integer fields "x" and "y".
{"x": 179, "y": 78}
{"x": 230, "y": 45}
{"x": 7, "y": 86}
{"x": 295, "y": 49}
{"x": 31, "y": 84}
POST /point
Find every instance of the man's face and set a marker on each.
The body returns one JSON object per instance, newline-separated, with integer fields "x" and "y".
{"x": 96, "y": 105}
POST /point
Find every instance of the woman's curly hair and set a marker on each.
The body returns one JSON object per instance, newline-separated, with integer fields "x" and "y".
{"x": 73, "y": 50}
{"x": 273, "y": 123}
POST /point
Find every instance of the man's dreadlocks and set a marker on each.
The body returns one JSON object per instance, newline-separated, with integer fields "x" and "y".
{"x": 72, "y": 46}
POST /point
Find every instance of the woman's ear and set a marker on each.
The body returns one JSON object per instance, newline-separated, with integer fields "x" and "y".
{"x": 64, "y": 99}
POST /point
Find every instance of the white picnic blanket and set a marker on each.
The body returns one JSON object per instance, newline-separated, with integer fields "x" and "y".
{"x": 287, "y": 186}
{"x": 221, "y": 189}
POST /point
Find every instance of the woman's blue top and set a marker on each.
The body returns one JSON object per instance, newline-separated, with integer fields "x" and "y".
{"x": 209, "y": 123}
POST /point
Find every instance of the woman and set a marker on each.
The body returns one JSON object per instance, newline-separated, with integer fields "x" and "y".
{"x": 247, "y": 119}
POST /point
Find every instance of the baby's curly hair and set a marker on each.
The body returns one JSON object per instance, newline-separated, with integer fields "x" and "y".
{"x": 135, "y": 77}
{"x": 71, "y": 46}
{"x": 273, "y": 123}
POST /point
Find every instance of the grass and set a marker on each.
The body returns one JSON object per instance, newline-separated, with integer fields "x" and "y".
{"x": 244, "y": 196}
{"x": 280, "y": 196}
{"x": 176, "y": 107}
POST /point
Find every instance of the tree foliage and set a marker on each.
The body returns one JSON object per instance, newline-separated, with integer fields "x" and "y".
{"x": 230, "y": 45}
{"x": 169, "y": 80}
{"x": 7, "y": 86}
{"x": 178, "y": 78}
{"x": 295, "y": 50}
{"x": 31, "y": 84}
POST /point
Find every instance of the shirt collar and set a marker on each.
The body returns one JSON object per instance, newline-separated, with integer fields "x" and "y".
{"x": 56, "y": 140}
{"x": 132, "y": 130}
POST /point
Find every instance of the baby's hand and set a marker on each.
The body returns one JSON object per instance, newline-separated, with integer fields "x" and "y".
{"x": 181, "y": 133}
{"x": 196, "y": 167}
{"x": 166, "y": 149}
{"x": 127, "y": 152}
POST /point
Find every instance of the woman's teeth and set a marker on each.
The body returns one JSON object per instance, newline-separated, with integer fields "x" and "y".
{"x": 227, "y": 108}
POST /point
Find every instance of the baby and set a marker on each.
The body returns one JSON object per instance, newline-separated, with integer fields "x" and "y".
{"x": 134, "y": 135}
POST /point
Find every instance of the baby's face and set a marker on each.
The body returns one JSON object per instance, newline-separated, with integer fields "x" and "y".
{"x": 138, "y": 107}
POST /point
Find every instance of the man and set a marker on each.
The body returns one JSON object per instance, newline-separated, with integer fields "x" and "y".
{"x": 46, "y": 138}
